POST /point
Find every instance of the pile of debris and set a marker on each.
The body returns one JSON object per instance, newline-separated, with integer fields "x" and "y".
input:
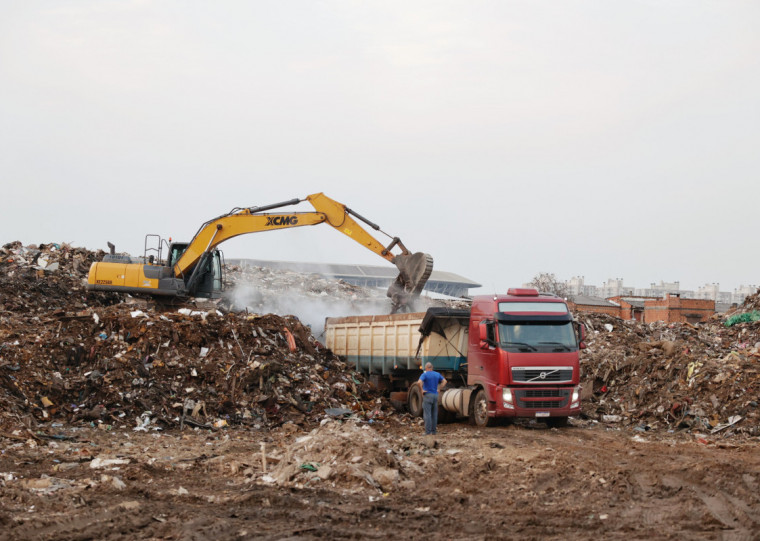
{"x": 345, "y": 455}
{"x": 71, "y": 356}
{"x": 42, "y": 279}
{"x": 702, "y": 378}
{"x": 68, "y": 355}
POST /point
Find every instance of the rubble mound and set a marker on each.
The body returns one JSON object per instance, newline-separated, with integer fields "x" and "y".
{"x": 41, "y": 279}
{"x": 68, "y": 356}
{"x": 117, "y": 365}
{"x": 703, "y": 378}
{"x": 345, "y": 455}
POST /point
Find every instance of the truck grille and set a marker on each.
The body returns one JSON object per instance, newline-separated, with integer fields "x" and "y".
{"x": 537, "y": 374}
{"x": 531, "y": 398}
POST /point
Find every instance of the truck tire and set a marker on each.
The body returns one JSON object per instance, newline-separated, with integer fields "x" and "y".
{"x": 414, "y": 401}
{"x": 556, "y": 422}
{"x": 479, "y": 410}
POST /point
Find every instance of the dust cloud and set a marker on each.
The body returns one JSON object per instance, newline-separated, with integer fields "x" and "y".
{"x": 310, "y": 310}
{"x": 311, "y": 297}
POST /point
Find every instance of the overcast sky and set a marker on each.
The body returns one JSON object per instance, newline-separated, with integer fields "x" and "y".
{"x": 505, "y": 138}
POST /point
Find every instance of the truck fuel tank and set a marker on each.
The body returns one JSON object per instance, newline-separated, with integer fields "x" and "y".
{"x": 456, "y": 400}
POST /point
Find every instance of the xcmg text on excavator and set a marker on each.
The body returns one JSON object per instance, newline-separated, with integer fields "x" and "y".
{"x": 194, "y": 269}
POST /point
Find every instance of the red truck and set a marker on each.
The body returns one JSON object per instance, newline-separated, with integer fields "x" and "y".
{"x": 508, "y": 356}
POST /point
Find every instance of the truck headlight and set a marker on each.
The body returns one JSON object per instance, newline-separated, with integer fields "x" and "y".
{"x": 575, "y": 400}
{"x": 506, "y": 396}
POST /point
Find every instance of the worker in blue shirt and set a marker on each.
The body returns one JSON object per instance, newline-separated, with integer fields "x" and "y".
{"x": 430, "y": 381}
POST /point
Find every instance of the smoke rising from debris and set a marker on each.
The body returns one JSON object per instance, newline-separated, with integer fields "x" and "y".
{"x": 310, "y": 297}
{"x": 311, "y": 310}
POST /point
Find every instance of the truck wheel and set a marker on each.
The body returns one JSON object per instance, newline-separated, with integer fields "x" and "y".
{"x": 556, "y": 422}
{"x": 414, "y": 401}
{"x": 479, "y": 414}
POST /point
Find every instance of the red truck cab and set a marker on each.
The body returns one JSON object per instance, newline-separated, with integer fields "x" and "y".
{"x": 523, "y": 357}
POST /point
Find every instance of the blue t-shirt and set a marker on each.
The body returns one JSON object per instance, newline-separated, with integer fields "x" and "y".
{"x": 430, "y": 381}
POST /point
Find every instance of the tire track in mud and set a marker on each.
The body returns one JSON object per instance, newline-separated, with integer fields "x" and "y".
{"x": 121, "y": 521}
{"x": 731, "y": 513}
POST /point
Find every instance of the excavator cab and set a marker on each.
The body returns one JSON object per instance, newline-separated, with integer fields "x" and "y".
{"x": 176, "y": 249}
{"x": 207, "y": 277}
{"x": 210, "y": 282}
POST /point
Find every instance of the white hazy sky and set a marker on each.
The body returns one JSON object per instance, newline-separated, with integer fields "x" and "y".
{"x": 505, "y": 138}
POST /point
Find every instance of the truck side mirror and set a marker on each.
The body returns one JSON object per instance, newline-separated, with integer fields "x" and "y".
{"x": 582, "y": 336}
{"x": 485, "y": 340}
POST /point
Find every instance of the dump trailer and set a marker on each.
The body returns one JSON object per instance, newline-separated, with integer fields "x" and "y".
{"x": 508, "y": 356}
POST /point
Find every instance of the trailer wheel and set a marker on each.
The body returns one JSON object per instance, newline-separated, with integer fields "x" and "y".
{"x": 479, "y": 410}
{"x": 414, "y": 401}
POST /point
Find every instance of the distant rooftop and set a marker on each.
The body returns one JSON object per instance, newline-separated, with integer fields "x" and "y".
{"x": 441, "y": 282}
{"x": 587, "y": 300}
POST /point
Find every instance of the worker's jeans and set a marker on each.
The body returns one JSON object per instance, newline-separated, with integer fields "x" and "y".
{"x": 430, "y": 411}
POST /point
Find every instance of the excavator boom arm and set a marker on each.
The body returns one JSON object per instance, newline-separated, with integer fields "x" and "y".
{"x": 215, "y": 232}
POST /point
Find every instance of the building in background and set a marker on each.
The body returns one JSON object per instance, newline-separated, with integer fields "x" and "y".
{"x": 674, "y": 309}
{"x": 440, "y": 282}
{"x": 665, "y": 301}
{"x": 670, "y": 309}
{"x": 615, "y": 288}
{"x": 576, "y": 287}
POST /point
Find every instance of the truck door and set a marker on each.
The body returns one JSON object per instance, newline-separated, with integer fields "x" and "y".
{"x": 482, "y": 355}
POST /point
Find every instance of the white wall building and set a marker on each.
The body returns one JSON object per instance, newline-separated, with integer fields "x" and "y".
{"x": 577, "y": 286}
{"x": 614, "y": 287}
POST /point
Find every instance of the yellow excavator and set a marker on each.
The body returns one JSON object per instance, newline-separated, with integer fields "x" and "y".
{"x": 194, "y": 269}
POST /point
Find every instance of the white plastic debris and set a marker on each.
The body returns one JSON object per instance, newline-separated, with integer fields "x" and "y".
{"x": 98, "y": 462}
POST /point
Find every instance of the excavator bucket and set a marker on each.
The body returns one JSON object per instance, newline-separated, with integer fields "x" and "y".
{"x": 414, "y": 271}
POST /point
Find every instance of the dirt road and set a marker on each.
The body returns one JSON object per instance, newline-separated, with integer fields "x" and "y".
{"x": 348, "y": 480}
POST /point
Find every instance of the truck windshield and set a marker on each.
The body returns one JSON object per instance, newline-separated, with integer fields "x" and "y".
{"x": 540, "y": 336}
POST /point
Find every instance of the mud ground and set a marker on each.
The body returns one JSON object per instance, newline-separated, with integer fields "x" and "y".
{"x": 520, "y": 481}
